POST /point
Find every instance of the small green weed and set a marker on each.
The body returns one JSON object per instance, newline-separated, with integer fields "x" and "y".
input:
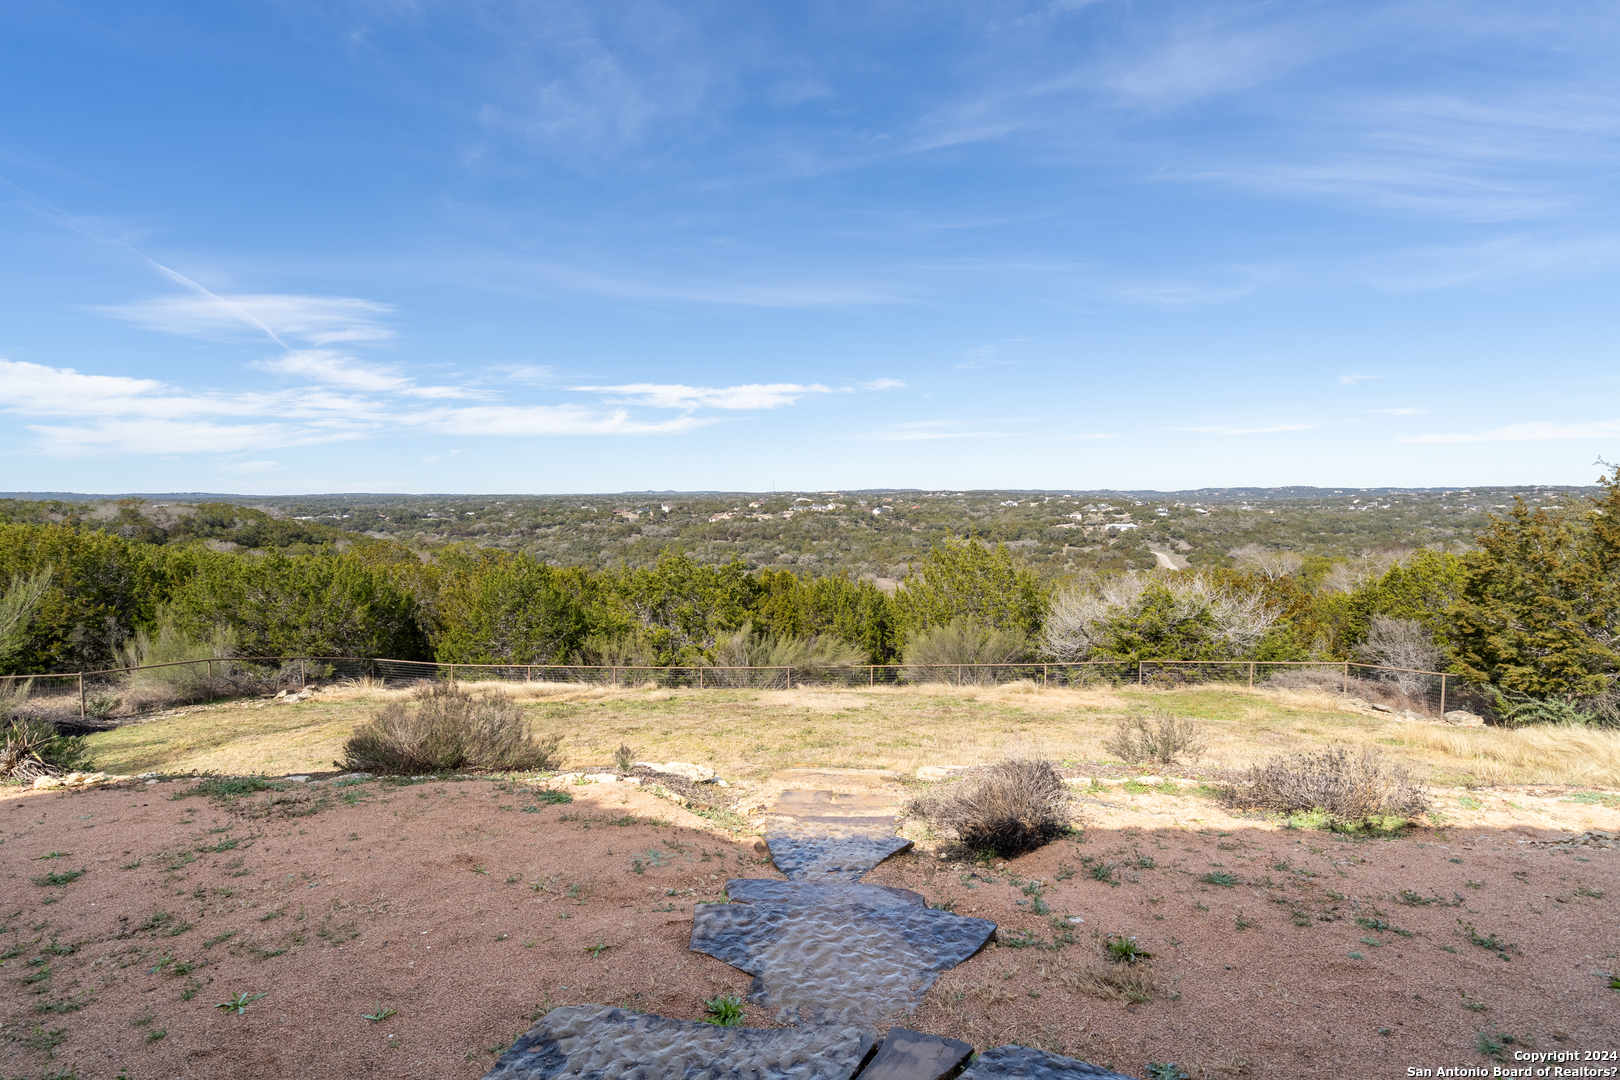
{"x": 1599, "y": 798}
{"x": 597, "y": 950}
{"x": 724, "y": 1010}
{"x": 59, "y": 878}
{"x": 1219, "y": 877}
{"x": 1018, "y": 939}
{"x": 1167, "y": 1071}
{"x": 1489, "y": 942}
{"x": 380, "y": 1015}
{"x": 229, "y": 788}
{"x": 548, "y": 797}
{"x": 1125, "y": 950}
{"x": 44, "y": 1041}
{"x": 1495, "y": 1047}
{"x": 239, "y": 1003}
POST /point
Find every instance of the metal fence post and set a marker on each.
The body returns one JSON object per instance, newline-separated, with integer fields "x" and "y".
{"x": 1442, "y": 696}
{"x": 871, "y": 675}
{"x": 1139, "y": 677}
{"x": 700, "y": 678}
{"x": 1251, "y": 674}
{"x": 81, "y": 696}
{"x": 1046, "y": 673}
{"x": 1344, "y": 683}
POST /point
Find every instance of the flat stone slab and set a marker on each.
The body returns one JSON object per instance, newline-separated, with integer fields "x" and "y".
{"x": 1024, "y": 1063}
{"x": 594, "y": 1042}
{"x": 820, "y": 809}
{"x": 844, "y": 779}
{"x": 851, "y": 964}
{"x": 803, "y": 857}
{"x": 817, "y": 893}
{"x": 911, "y": 1055}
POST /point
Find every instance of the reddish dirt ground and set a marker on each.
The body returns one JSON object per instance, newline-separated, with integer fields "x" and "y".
{"x": 467, "y": 913}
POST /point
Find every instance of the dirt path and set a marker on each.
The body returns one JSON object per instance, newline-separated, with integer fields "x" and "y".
{"x": 468, "y": 907}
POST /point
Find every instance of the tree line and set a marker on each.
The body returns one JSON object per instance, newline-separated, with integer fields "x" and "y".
{"x": 1532, "y": 613}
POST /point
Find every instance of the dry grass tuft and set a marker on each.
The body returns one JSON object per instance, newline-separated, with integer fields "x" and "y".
{"x": 446, "y": 726}
{"x": 1010, "y": 807}
{"x": 1351, "y": 788}
{"x": 1100, "y": 979}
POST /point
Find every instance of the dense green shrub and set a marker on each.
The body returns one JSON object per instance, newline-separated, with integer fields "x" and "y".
{"x": 500, "y": 608}
{"x": 1539, "y": 614}
{"x": 963, "y": 642}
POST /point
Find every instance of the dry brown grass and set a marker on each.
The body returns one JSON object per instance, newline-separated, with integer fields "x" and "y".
{"x": 1538, "y": 755}
{"x": 747, "y": 734}
{"x": 1101, "y": 979}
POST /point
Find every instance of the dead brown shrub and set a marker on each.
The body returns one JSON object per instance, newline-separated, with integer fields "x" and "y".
{"x": 445, "y": 727}
{"x": 1009, "y": 807}
{"x": 1351, "y": 788}
{"x": 1161, "y": 738}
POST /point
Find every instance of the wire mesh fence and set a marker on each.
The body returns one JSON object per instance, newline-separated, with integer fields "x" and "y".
{"x": 99, "y": 697}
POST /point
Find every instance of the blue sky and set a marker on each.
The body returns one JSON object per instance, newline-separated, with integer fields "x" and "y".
{"x": 541, "y": 247}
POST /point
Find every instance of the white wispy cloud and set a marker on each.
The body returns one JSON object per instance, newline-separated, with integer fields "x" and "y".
{"x": 546, "y": 420}
{"x": 922, "y": 430}
{"x": 1270, "y": 429}
{"x": 881, "y": 384}
{"x": 320, "y": 320}
{"x": 1533, "y": 431}
{"x": 687, "y": 289}
{"x": 679, "y": 396}
{"x": 1226, "y": 284}
{"x": 336, "y": 369}
{"x": 77, "y": 414}
{"x": 192, "y": 436}
{"x": 1500, "y": 258}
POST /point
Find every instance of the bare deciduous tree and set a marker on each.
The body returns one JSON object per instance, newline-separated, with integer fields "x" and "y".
{"x": 1359, "y": 570}
{"x": 1084, "y": 616}
{"x": 1266, "y": 562}
{"x": 1401, "y": 643}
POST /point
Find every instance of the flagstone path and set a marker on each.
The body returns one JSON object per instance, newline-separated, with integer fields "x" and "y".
{"x": 831, "y": 956}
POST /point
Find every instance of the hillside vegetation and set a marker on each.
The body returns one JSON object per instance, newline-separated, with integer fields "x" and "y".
{"x": 1527, "y": 608}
